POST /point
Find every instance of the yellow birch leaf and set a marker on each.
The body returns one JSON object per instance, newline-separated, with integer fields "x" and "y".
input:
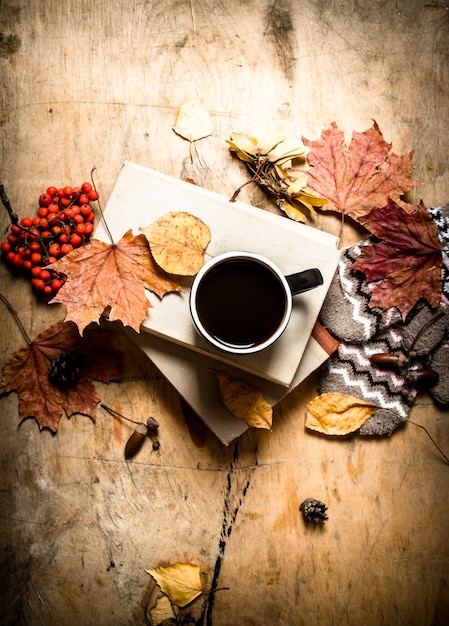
{"x": 177, "y": 242}
{"x": 181, "y": 582}
{"x": 193, "y": 121}
{"x": 338, "y": 413}
{"x": 244, "y": 400}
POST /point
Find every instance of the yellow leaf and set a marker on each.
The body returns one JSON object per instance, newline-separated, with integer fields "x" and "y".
{"x": 338, "y": 413}
{"x": 244, "y": 400}
{"x": 292, "y": 212}
{"x": 181, "y": 582}
{"x": 177, "y": 242}
{"x": 193, "y": 121}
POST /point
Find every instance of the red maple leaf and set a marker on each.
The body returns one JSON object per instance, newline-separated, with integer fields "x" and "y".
{"x": 357, "y": 178}
{"x": 26, "y": 372}
{"x": 114, "y": 276}
{"x": 405, "y": 265}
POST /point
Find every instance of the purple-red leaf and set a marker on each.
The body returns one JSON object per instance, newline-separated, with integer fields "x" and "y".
{"x": 405, "y": 265}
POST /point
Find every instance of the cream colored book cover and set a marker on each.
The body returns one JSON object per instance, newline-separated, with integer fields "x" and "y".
{"x": 142, "y": 195}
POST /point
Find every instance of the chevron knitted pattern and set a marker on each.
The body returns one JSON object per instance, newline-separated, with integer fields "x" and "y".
{"x": 364, "y": 331}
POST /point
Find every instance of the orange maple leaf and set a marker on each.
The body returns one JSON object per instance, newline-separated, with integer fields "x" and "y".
{"x": 26, "y": 371}
{"x": 114, "y": 276}
{"x": 357, "y": 178}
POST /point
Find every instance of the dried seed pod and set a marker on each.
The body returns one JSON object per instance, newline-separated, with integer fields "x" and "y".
{"x": 427, "y": 376}
{"x": 389, "y": 360}
{"x": 314, "y": 510}
{"x": 135, "y": 440}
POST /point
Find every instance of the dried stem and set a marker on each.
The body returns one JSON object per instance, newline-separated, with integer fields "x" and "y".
{"x": 6, "y": 203}
{"x": 16, "y": 317}
{"x": 116, "y": 414}
{"x": 431, "y": 439}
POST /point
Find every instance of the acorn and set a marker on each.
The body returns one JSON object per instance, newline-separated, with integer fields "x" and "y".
{"x": 422, "y": 376}
{"x": 136, "y": 438}
{"x": 389, "y": 360}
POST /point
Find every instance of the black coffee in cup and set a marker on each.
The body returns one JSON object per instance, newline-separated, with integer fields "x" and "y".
{"x": 241, "y": 302}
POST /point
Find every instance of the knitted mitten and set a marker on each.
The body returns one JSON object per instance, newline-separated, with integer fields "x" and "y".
{"x": 418, "y": 345}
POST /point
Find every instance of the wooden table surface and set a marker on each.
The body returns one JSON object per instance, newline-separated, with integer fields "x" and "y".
{"x": 92, "y": 84}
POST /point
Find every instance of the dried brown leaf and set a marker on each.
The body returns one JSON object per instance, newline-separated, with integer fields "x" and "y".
{"x": 244, "y": 400}
{"x": 357, "y": 178}
{"x": 177, "y": 242}
{"x": 338, "y": 413}
{"x": 193, "y": 121}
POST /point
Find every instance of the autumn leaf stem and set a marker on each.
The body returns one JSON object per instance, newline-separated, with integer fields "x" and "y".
{"x": 16, "y": 317}
{"x": 6, "y": 203}
{"x": 111, "y": 239}
{"x": 116, "y": 414}
{"x": 431, "y": 439}
{"x": 216, "y": 589}
{"x": 233, "y": 198}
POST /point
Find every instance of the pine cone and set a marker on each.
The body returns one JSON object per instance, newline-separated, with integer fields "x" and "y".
{"x": 65, "y": 370}
{"x": 314, "y": 510}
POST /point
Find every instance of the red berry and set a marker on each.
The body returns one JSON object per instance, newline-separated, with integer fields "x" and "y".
{"x": 52, "y": 191}
{"x": 48, "y": 290}
{"x": 43, "y": 211}
{"x": 44, "y": 199}
{"x": 38, "y": 283}
{"x": 90, "y": 217}
{"x": 36, "y": 258}
{"x": 56, "y": 284}
{"x": 80, "y": 228}
{"x": 12, "y": 239}
{"x": 88, "y": 229}
{"x": 78, "y": 218}
{"x": 64, "y": 238}
{"x": 85, "y": 210}
{"x": 65, "y": 202}
{"x": 5, "y": 247}
{"x": 86, "y": 187}
{"x": 45, "y": 275}
{"x": 51, "y": 259}
{"x": 17, "y": 260}
{"x": 53, "y": 208}
{"x": 10, "y": 255}
{"x": 16, "y": 230}
{"x": 67, "y": 191}
{"x": 76, "y": 240}
{"x": 66, "y": 248}
{"x": 93, "y": 195}
{"x": 36, "y": 270}
{"x": 36, "y": 221}
{"x": 54, "y": 249}
{"x": 27, "y": 265}
{"x": 83, "y": 199}
{"x": 26, "y": 222}
{"x": 35, "y": 246}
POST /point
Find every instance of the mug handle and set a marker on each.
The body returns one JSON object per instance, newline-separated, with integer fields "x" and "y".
{"x": 303, "y": 281}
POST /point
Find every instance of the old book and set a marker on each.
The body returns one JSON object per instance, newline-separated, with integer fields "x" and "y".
{"x": 141, "y": 195}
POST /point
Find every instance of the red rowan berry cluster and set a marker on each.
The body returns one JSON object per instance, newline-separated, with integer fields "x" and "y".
{"x": 64, "y": 221}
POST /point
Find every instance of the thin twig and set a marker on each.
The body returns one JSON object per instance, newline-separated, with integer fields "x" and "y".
{"x": 116, "y": 414}
{"x": 6, "y": 203}
{"x": 431, "y": 439}
{"x": 16, "y": 317}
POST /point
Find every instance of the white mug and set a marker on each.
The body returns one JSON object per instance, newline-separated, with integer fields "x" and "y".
{"x": 241, "y": 302}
